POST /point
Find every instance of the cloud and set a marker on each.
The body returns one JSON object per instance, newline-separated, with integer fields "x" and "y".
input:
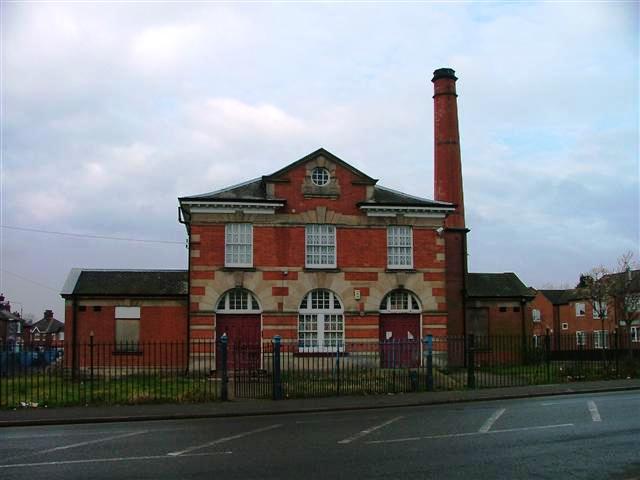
{"x": 113, "y": 111}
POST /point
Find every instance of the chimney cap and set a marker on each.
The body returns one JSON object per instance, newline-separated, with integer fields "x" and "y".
{"x": 444, "y": 73}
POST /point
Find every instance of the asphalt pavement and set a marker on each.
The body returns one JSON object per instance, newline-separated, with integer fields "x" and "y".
{"x": 590, "y": 435}
{"x": 235, "y": 408}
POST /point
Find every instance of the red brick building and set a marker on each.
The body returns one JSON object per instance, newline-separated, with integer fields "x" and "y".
{"x": 317, "y": 252}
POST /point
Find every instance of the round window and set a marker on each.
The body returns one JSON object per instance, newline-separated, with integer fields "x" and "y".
{"x": 320, "y": 176}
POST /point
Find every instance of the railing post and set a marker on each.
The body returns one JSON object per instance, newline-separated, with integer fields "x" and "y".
{"x": 617, "y": 351}
{"x": 277, "y": 373}
{"x": 471, "y": 362}
{"x": 91, "y": 364}
{"x": 428, "y": 347}
{"x": 338, "y": 369}
{"x": 224, "y": 386}
{"x": 547, "y": 355}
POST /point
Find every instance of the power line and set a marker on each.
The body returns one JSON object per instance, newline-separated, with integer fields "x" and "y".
{"x": 57, "y": 290}
{"x": 82, "y": 235}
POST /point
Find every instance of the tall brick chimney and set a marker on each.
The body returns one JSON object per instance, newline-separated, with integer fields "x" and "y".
{"x": 448, "y": 188}
{"x": 448, "y": 166}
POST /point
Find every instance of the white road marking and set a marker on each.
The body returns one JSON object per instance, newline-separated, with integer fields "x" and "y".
{"x": 91, "y": 442}
{"x": 115, "y": 459}
{"x": 75, "y": 445}
{"x": 331, "y": 420}
{"x": 470, "y": 434}
{"x": 491, "y": 420}
{"x": 223, "y": 440}
{"x": 593, "y": 410}
{"x": 368, "y": 431}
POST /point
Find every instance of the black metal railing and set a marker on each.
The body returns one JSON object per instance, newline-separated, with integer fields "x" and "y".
{"x": 196, "y": 371}
{"x": 107, "y": 373}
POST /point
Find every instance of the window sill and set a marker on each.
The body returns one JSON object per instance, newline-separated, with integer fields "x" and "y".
{"x": 400, "y": 270}
{"x": 322, "y": 269}
{"x": 121, "y": 353}
{"x": 238, "y": 269}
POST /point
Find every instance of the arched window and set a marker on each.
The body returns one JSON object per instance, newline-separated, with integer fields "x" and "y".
{"x": 320, "y": 322}
{"x": 400, "y": 301}
{"x": 238, "y": 300}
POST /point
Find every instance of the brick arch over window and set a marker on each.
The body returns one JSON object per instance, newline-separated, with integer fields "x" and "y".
{"x": 320, "y": 322}
{"x": 238, "y": 300}
{"x": 400, "y": 301}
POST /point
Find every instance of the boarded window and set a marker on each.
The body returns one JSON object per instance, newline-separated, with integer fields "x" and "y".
{"x": 127, "y": 329}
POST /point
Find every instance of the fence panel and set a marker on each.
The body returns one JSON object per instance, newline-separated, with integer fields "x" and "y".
{"x": 107, "y": 373}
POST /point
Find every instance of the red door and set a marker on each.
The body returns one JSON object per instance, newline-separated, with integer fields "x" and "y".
{"x": 400, "y": 340}
{"x": 243, "y": 344}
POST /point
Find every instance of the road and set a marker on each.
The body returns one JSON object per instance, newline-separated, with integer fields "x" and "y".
{"x": 579, "y": 436}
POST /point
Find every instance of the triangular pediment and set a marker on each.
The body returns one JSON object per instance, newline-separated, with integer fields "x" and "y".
{"x": 320, "y": 156}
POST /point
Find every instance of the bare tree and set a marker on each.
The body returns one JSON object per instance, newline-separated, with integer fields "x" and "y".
{"x": 624, "y": 286}
{"x": 597, "y": 289}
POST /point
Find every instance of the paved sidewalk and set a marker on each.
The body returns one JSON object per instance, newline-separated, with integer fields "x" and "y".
{"x": 71, "y": 415}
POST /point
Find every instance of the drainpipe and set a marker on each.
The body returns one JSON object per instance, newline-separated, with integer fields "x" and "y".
{"x": 188, "y": 337}
{"x": 74, "y": 352}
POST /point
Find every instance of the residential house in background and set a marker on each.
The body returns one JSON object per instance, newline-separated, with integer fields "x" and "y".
{"x": 47, "y": 332}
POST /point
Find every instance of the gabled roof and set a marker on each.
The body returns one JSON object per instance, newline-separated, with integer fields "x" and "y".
{"x": 562, "y": 297}
{"x": 493, "y": 285}
{"x": 48, "y": 325}
{"x": 327, "y": 154}
{"x": 254, "y": 191}
{"x": 556, "y": 297}
{"x": 126, "y": 283}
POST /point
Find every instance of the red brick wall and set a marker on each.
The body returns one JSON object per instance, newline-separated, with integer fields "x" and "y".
{"x": 276, "y": 246}
{"x": 542, "y": 303}
{"x": 285, "y": 247}
{"x": 350, "y": 195}
{"x": 158, "y": 324}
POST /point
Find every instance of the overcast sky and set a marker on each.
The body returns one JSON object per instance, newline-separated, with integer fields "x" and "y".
{"x": 111, "y": 111}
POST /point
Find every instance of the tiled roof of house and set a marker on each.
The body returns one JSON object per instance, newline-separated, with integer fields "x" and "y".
{"x": 491, "y": 285}
{"x": 48, "y": 325}
{"x": 126, "y": 282}
{"x": 622, "y": 276}
{"x": 561, "y": 297}
{"x": 556, "y": 297}
{"x": 8, "y": 316}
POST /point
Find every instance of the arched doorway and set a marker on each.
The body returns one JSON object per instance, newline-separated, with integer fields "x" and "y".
{"x": 320, "y": 322}
{"x": 400, "y": 329}
{"x": 238, "y": 316}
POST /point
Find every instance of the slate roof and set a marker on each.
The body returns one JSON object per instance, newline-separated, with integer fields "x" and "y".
{"x": 492, "y": 285}
{"x": 126, "y": 282}
{"x": 556, "y": 297}
{"x": 255, "y": 190}
{"x": 48, "y": 325}
{"x": 8, "y": 316}
{"x": 252, "y": 190}
{"x": 635, "y": 279}
{"x": 562, "y": 297}
{"x": 387, "y": 196}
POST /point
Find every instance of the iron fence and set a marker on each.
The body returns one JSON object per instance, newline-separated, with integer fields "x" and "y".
{"x": 96, "y": 373}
